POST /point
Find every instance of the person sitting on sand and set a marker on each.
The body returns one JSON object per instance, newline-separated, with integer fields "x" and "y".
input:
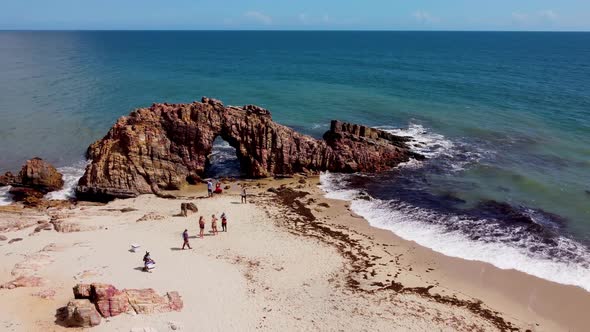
{"x": 223, "y": 222}
{"x": 148, "y": 262}
{"x": 243, "y": 200}
{"x": 214, "y": 225}
{"x": 201, "y": 226}
{"x": 218, "y": 189}
{"x": 185, "y": 238}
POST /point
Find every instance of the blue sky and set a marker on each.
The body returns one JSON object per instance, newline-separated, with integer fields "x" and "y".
{"x": 297, "y": 14}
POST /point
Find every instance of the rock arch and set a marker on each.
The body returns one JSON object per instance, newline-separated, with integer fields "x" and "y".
{"x": 163, "y": 146}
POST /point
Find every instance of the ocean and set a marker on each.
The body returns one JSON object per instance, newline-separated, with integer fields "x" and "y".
{"x": 504, "y": 118}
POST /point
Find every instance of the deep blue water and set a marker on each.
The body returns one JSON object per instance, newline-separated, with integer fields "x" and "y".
{"x": 505, "y": 116}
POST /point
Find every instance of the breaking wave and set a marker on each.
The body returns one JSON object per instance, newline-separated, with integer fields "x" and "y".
{"x": 509, "y": 237}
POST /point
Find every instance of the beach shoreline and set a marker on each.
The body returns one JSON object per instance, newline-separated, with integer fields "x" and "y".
{"x": 294, "y": 258}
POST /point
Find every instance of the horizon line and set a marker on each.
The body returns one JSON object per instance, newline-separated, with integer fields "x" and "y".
{"x": 280, "y": 30}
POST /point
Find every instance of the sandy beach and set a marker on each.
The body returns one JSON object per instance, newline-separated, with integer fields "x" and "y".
{"x": 291, "y": 260}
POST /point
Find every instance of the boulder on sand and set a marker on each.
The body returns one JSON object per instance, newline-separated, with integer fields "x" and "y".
{"x": 79, "y": 313}
{"x": 186, "y": 207}
{"x": 111, "y": 302}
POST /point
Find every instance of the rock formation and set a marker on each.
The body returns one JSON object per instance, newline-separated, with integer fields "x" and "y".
{"x": 111, "y": 301}
{"x": 79, "y": 313}
{"x": 167, "y": 145}
{"x": 35, "y": 179}
{"x": 185, "y": 208}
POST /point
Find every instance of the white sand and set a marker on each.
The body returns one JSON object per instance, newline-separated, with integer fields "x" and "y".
{"x": 257, "y": 276}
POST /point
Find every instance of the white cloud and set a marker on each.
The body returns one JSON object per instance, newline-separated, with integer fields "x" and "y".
{"x": 258, "y": 17}
{"x": 307, "y": 19}
{"x": 534, "y": 18}
{"x": 424, "y": 17}
{"x": 547, "y": 15}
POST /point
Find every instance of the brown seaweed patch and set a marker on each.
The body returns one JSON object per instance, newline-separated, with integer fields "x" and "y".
{"x": 361, "y": 261}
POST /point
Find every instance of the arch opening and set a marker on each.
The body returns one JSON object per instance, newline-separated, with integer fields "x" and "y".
{"x": 223, "y": 161}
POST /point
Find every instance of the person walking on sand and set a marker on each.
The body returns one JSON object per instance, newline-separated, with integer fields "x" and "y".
{"x": 214, "y": 225}
{"x": 243, "y": 200}
{"x": 201, "y": 226}
{"x": 185, "y": 238}
{"x": 209, "y": 188}
{"x": 223, "y": 222}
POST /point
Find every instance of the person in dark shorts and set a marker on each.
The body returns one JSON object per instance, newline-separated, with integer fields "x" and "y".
{"x": 209, "y": 188}
{"x": 223, "y": 222}
{"x": 185, "y": 238}
{"x": 201, "y": 226}
{"x": 244, "y": 194}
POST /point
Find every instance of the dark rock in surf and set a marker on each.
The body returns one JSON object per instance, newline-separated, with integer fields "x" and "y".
{"x": 8, "y": 179}
{"x": 167, "y": 145}
{"x": 41, "y": 175}
{"x": 35, "y": 179}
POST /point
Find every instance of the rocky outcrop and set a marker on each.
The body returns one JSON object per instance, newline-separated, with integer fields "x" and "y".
{"x": 167, "y": 145}
{"x": 79, "y": 313}
{"x": 35, "y": 179}
{"x": 151, "y": 216}
{"x": 185, "y": 208}
{"x": 39, "y": 174}
{"x": 111, "y": 301}
{"x": 8, "y": 179}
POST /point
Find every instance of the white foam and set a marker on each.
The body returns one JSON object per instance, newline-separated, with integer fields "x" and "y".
{"x": 408, "y": 225}
{"x": 71, "y": 176}
{"x": 433, "y": 145}
{"x": 423, "y": 141}
{"x": 5, "y": 197}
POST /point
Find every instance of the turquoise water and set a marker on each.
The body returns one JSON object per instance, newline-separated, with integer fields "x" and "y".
{"x": 505, "y": 116}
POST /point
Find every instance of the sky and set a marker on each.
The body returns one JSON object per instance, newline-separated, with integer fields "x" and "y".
{"x": 558, "y": 15}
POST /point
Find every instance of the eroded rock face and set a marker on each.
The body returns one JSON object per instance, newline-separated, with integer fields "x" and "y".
{"x": 166, "y": 145}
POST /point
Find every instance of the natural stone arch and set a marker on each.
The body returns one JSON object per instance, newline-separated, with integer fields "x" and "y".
{"x": 162, "y": 146}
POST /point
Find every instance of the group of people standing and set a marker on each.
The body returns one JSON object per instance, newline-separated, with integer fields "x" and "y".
{"x": 214, "y": 230}
{"x": 218, "y": 190}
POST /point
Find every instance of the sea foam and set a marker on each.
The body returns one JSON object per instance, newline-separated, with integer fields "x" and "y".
{"x": 5, "y": 197}
{"x": 71, "y": 175}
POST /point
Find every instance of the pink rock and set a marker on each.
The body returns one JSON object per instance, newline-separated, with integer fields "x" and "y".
{"x": 24, "y": 281}
{"x": 82, "y": 291}
{"x": 109, "y": 300}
